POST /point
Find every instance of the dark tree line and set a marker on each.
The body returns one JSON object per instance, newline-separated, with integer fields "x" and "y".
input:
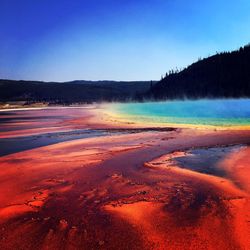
{"x": 223, "y": 75}
{"x": 72, "y": 92}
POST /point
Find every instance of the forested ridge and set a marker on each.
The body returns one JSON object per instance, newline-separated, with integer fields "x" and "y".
{"x": 223, "y": 75}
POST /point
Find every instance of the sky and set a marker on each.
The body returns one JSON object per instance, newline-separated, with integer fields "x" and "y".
{"x": 63, "y": 40}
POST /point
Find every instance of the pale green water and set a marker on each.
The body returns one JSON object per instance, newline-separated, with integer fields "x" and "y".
{"x": 230, "y": 112}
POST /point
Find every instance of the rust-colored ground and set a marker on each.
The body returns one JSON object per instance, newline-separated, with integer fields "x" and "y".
{"x": 123, "y": 190}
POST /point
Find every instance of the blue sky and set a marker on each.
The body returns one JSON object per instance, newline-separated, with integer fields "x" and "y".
{"x": 115, "y": 39}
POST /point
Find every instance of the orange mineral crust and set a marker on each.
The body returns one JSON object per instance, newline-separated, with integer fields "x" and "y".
{"x": 126, "y": 187}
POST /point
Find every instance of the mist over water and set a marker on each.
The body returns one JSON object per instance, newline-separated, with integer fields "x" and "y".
{"x": 227, "y": 112}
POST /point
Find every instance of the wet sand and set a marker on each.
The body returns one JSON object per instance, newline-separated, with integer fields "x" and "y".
{"x": 130, "y": 187}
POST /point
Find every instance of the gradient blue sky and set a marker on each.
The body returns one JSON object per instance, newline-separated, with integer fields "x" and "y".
{"x": 114, "y": 39}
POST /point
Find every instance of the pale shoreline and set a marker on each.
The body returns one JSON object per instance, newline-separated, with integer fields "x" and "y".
{"x": 46, "y": 107}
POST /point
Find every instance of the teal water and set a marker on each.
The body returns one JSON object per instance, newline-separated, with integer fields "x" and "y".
{"x": 229, "y": 112}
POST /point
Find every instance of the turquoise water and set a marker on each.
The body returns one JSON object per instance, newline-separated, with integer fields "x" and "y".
{"x": 230, "y": 112}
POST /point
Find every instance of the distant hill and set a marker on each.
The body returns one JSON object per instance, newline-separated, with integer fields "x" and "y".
{"x": 72, "y": 92}
{"x": 223, "y": 75}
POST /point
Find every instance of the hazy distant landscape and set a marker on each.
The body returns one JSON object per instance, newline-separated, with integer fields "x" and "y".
{"x": 72, "y": 92}
{"x": 225, "y": 75}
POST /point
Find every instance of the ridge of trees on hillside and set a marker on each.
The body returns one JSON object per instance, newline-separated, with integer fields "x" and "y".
{"x": 223, "y": 75}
